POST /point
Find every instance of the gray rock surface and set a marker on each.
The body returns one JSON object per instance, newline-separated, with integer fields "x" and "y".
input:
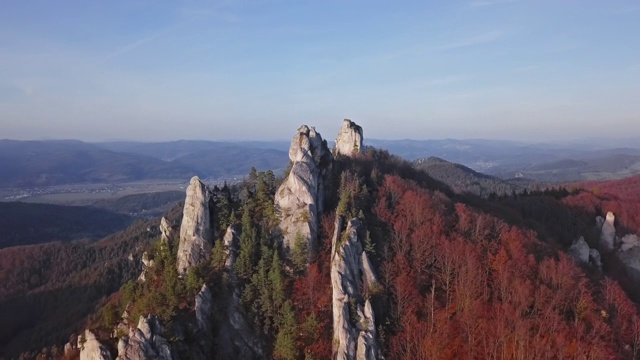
{"x": 203, "y": 307}
{"x": 231, "y": 245}
{"x": 354, "y": 331}
{"x": 195, "y": 230}
{"x": 607, "y": 231}
{"x": 579, "y": 250}
{"x": 145, "y": 342}
{"x": 147, "y": 263}
{"x": 92, "y": 349}
{"x": 629, "y": 241}
{"x": 349, "y": 140}
{"x": 166, "y": 230}
{"x": 300, "y": 198}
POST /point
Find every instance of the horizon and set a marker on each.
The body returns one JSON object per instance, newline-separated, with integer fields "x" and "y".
{"x": 513, "y": 70}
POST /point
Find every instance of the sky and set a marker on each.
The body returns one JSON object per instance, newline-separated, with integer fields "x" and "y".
{"x": 257, "y": 69}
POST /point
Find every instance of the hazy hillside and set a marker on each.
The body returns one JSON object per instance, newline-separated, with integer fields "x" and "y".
{"x": 235, "y": 161}
{"x": 462, "y": 179}
{"x": 147, "y": 204}
{"x": 25, "y": 224}
{"x": 172, "y": 150}
{"x": 41, "y": 163}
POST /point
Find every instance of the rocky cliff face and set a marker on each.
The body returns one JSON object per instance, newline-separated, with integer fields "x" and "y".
{"x": 203, "y": 308}
{"x": 91, "y": 349}
{"x": 583, "y": 254}
{"x": 195, "y": 231}
{"x": 145, "y": 342}
{"x": 354, "y": 330}
{"x": 300, "y": 198}
{"x": 349, "y": 140}
{"x": 231, "y": 243}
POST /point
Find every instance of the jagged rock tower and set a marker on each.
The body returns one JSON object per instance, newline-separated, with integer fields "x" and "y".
{"x": 300, "y": 198}
{"x": 195, "y": 231}
{"x": 354, "y": 326}
{"x": 349, "y": 140}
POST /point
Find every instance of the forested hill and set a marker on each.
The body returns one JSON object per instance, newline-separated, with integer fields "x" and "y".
{"x": 462, "y": 179}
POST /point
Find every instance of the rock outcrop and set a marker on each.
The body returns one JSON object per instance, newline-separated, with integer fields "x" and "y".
{"x": 92, "y": 349}
{"x": 300, "y": 198}
{"x": 579, "y": 250}
{"x": 583, "y": 254}
{"x": 203, "y": 308}
{"x": 166, "y": 230}
{"x": 231, "y": 243}
{"x": 145, "y": 342}
{"x": 195, "y": 231}
{"x": 349, "y": 140}
{"x": 607, "y": 231}
{"x": 146, "y": 264}
{"x": 354, "y": 330}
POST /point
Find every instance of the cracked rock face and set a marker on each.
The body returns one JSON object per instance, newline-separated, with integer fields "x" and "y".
{"x": 354, "y": 330}
{"x": 195, "y": 231}
{"x": 300, "y": 198}
{"x": 349, "y": 140}
{"x": 231, "y": 246}
{"x": 92, "y": 349}
{"x": 145, "y": 342}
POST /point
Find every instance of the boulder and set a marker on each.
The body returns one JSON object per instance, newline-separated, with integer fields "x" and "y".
{"x": 92, "y": 349}
{"x": 195, "y": 230}
{"x": 349, "y": 140}
{"x": 354, "y": 330}
{"x": 300, "y": 198}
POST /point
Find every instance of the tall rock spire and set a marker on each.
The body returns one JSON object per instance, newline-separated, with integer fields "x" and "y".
{"x": 195, "y": 231}
{"x": 300, "y": 198}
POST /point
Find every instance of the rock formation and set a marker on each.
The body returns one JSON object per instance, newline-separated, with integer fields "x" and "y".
{"x": 349, "y": 140}
{"x": 300, "y": 198}
{"x": 607, "y": 231}
{"x": 166, "y": 230}
{"x": 146, "y": 264}
{"x": 203, "y": 307}
{"x": 145, "y": 342}
{"x": 195, "y": 231}
{"x": 629, "y": 241}
{"x": 579, "y": 250}
{"x": 354, "y": 330}
{"x": 91, "y": 349}
{"x": 231, "y": 245}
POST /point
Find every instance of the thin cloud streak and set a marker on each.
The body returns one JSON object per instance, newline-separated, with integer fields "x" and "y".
{"x": 471, "y": 41}
{"x": 136, "y": 44}
{"x": 491, "y": 2}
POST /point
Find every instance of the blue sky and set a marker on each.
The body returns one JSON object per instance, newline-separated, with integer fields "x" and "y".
{"x": 162, "y": 70}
